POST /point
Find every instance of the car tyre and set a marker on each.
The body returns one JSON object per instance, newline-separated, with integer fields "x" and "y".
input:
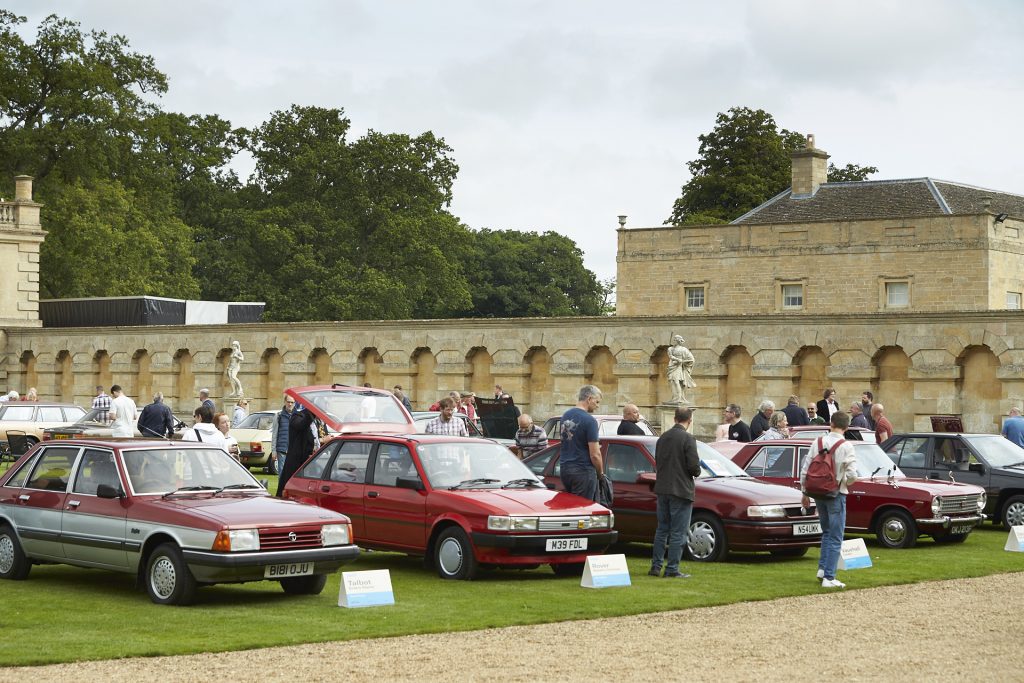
{"x": 707, "y": 541}
{"x": 453, "y": 555}
{"x": 304, "y": 585}
{"x": 896, "y": 529}
{"x": 789, "y": 552}
{"x": 1013, "y": 512}
{"x": 168, "y": 579}
{"x": 568, "y": 568}
{"x": 272, "y": 466}
{"x": 14, "y": 564}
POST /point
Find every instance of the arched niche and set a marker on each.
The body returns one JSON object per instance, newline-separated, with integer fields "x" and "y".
{"x": 737, "y": 386}
{"x": 893, "y": 388}
{"x": 480, "y": 379}
{"x": 27, "y": 365}
{"x": 369, "y": 367}
{"x": 141, "y": 381}
{"x": 101, "y": 369}
{"x": 424, "y": 381}
{"x": 599, "y": 370}
{"x": 272, "y": 378}
{"x": 979, "y": 388}
{"x": 320, "y": 367}
{"x": 184, "y": 381}
{"x": 811, "y": 378}
{"x": 539, "y": 383}
{"x": 659, "y": 391}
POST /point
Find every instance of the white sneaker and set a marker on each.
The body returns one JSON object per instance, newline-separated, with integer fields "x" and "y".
{"x": 832, "y": 583}
{"x": 821, "y": 573}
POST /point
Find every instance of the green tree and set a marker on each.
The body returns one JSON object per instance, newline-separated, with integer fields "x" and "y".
{"x": 743, "y": 162}
{"x": 850, "y": 172}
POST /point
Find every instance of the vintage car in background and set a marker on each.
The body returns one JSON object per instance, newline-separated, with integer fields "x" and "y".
{"x": 253, "y": 436}
{"x": 731, "y": 511}
{"x": 986, "y": 460}
{"x": 178, "y": 515}
{"x": 33, "y": 418}
{"x": 93, "y": 426}
{"x": 607, "y": 425}
{"x": 883, "y": 501}
{"x": 463, "y": 503}
{"x": 422, "y": 417}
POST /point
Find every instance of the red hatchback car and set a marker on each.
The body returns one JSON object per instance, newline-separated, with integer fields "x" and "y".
{"x": 882, "y": 501}
{"x": 463, "y": 503}
{"x": 732, "y": 511}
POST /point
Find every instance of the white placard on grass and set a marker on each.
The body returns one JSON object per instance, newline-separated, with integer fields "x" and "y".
{"x": 1015, "y": 541}
{"x": 854, "y": 555}
{"x": 604, "y": 571}
{"x": 366, "y": 589}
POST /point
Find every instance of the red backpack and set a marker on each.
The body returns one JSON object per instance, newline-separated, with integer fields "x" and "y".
{"x": 820, "y": 481}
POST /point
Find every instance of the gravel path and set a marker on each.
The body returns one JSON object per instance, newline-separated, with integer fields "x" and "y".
{"x": 967, "y": 629}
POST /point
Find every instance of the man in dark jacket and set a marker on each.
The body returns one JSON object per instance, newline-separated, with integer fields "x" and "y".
{"x": 676, "y": 463}
{"x": 796, "y": 416}
{"x": 760, "y": 422}
{"x": 301, "y": 442}
{"x": 156, "y": 419}
{"x": 630, "y": 418}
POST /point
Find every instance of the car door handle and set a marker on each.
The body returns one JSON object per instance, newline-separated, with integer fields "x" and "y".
{"x": 325, "y": 489}
{"x": 74, "y": 503}
{"x": 372, "y": 494}
{"x": 24, "y": 497}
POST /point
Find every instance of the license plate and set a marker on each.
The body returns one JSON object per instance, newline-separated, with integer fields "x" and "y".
{"x": 283, "y": 571}
{"x": 60, "y": 436}
{"x": 961, "y": 528}
{"x": 561, "y": 545}
{"x": 806, "y": 529}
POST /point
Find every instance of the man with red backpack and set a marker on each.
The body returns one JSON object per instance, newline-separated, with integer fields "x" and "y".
{"x": 825, "y": 476}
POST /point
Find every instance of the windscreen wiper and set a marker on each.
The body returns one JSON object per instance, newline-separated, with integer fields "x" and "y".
{"x": 514, "y": 483}
{"x": 238, "y": 486}
{"x": 474, "y": 482}
{"x": 192, "y": 488}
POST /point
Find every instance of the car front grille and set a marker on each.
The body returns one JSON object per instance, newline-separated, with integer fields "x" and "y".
{"x": 952, "y": 505}
{"x": 289, "y": 538}
{"x": 562, "y": 523}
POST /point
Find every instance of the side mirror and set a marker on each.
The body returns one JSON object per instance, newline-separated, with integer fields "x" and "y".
{"x": 413, "y": 483}
{"x": 108, "y": 491}
{"x": 978, "y": 467}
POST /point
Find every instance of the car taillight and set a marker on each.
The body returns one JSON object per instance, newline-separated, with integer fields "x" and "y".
{"x": 46, "y": 437}
{"x": 255, "y": 447}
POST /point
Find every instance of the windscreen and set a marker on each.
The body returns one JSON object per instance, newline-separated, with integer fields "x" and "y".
{"x": 448, "y": 464}
{"x": 169, "y": 469}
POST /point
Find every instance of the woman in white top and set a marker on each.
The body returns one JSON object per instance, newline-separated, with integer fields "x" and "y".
{"x": 204, "y": 430}
{"x": 223, "y": 424}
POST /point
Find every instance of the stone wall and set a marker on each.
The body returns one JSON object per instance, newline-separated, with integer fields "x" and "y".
{"x": 20, "y": 238}
{"x": 916, "y": 364}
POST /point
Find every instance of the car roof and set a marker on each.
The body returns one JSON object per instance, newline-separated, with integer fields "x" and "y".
{"x": 48, "y": 404}
{"x": 943, "y": 434}
{"x": 418, "y": 438}
{"x": 127, "y": 444}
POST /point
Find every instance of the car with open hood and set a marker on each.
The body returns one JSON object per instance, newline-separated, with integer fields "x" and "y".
{"x": 731, "y": 511}
{"x": 883, "y": 500}
{"x": 464, "y": 504}
{"x": 177, "y": 515}
{"x": 344, "y": 409}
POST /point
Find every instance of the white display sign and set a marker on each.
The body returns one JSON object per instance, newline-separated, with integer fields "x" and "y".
{"x": 603, "y": 571}
{"x": 1015, "y": 541}
{"x": 854, "y": 555}
{"x": 366, "y": 589}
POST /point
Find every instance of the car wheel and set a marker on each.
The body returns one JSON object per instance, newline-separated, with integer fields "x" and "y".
{"x": 946, "y": 537}
{"x": 453, "y": 555}
{"x": 168, "y": 579}
{"x": 568, "y": 568}
{"x": 789, "y": 552}
{"x": 707, "y": 541}
{"x": 14, "y": 565}
{"x": 1013, "y": 512}
{"x": 895, "y": 529}
{"x": 304, "y": 585}
{"x": 272, "y": 465}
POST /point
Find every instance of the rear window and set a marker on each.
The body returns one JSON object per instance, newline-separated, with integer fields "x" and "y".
{"x": 21, "y": 413}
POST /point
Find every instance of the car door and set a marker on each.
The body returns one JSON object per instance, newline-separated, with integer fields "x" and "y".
{"x": 775, "y": 464}
{"x": 910, "y": 453}
{"x": 41, "y": 502}
{"x": 636, "y": 506}
{"x": 394, "y": 517}
{"x": 93, "y": 529}
{"x": 343, "y": 482}
{"x": 951, "y": 459}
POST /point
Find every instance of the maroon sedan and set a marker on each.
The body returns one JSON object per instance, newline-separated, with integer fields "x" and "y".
{"x": 178, "y": 515}
{"x": 463, "y": 503}
{"x": 732, "y": 511}
{"x": 883, "y": 501}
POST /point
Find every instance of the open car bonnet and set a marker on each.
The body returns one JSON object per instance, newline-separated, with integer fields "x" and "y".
{"x": 346, "y": 409}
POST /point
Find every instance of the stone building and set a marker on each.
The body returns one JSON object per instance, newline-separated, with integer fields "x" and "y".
{"x": 901, "y": 287}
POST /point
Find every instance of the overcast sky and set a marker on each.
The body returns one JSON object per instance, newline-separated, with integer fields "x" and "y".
{"x": 565, "y": 113}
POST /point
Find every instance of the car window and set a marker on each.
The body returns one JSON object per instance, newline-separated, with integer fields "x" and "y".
{"x": 626, "y": 463}
{"x": 755, "y": 467}
{"x": 772, "y": 461}
{"x": 317, "y": 466}
{"x": 540, "y": 463}
{"x": 551, "y": 429}
{"x": 53, "y": 469}
{"x": 350, "y": 465}
{"x": 18, "y": 480}
{"x": 950, "y": 453}
{"x": 72, "y": 413}
{"x": 608, "y": 427}
{"x": 909, "y": 452}
{"x": 50, "y": 414}
{"x": 97, "y": 467}
{"x": 20, "y": 413}
{"x": 393, "y": 461}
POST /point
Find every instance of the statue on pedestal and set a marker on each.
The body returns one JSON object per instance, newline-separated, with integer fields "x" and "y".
{"x": 680, "y": 363}
{"x": 234, "y": 364}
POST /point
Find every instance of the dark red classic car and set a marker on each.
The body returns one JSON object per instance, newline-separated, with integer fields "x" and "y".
{"x": 883, "y": 501}
{"x": 463, "y": 503}
{"x": 732, "y": 511}
{"x": 346, "y": 409}
{"x": 178, "y": 515}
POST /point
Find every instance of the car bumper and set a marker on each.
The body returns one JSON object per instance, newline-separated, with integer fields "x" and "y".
{"x": 746, "y": 535}
{"x": 946, "y": 521}
{"x": 510, "y": 549}
{"x": 253, "y": 459}
{"x": 224, "y": 567}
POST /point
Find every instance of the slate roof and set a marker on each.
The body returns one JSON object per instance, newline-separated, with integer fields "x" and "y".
{"x": 883, "y": 199}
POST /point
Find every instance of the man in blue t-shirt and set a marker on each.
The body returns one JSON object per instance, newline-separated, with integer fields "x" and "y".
{"x": 580, "y": 458}
{"x": 1013, "y": 428}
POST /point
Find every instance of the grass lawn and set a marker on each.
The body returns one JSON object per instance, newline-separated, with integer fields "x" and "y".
{"x": 63, "y": 613}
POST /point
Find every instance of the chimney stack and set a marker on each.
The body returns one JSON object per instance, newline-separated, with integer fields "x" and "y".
{"x": 810, "y": 169}
{"x": 22, "y": 188}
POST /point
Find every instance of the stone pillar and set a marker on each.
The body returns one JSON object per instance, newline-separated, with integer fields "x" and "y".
{"x": 20, "y": 238}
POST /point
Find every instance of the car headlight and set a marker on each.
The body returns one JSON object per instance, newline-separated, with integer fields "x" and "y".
{"x": 237, "y": 540}
{"x": 335, "y": 534}
{"x": 766, "y": 511}
{"x": 508, "y": 523}
{"x": 982, "y": 500}
{"x": 936, "y": 504}
{"x": 600, "y": 521}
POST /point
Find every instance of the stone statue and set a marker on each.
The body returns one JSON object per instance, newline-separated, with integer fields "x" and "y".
{"x": 234, "y": 364}
{"x": 680, "y": 363}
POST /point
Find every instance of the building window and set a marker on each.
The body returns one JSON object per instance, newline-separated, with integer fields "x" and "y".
{"x": 694, "y": 298}
{"x": 1013, "y": 301}
{"x": 897, "y": 294}
{"x": 793, "y": 296}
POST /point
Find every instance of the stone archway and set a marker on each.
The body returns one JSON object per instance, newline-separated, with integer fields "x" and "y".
{"x": 424, "y": 384}
{"x": 659, "y": 391}
{"x": 65, "y": 383}
{"x": 893, "y": 388}
{"x": 737, "y": 386}
{"x": 539, "y": 383}
{"x": 980, "y": 386}
{"x": 320, "y": 367}
{"x": 369, "y": 367}
{"x": 479, "y": 361}
{"x": 811, "y": 378}
{"x": 30, "y": 376}
{"x": 599, "y": 370}
{"x": 101, "y": 370}
{"x": 272, "y": 378}
{"x": 141, "y": 384}
{"x": 184, "y": 380}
